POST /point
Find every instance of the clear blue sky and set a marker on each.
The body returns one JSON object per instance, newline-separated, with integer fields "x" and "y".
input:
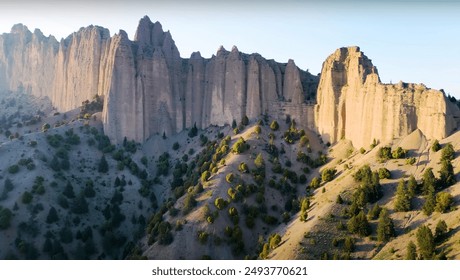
{"x": 409, "y": 40}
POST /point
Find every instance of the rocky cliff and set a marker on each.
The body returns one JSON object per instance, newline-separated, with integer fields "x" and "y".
{"x": 354, "y": 104}
{"x": 154, "y": 91}
{"x": 68, "y": 72}
{"x": 149, "y": 89}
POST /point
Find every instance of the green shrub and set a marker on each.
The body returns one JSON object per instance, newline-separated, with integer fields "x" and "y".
{"x": 274, "y": 126}
{"x": 220, "y": 203}
{"x": 205, "y": 176}
{"x": 5, "y": 218}
{"x": 411, "y": 161}
{"x": 274, "y": 240}
{"x": 328, "y": 174}
{"x": 230, "y": 177}
{"x": 176, "y": 146}
{"x": 13, "y": 169}
{"x": 26, "y": 197}
{"x": 245, "y": 120}
{"x": 384, "y": 153}
{"x": 399, "y": 153}
{"x": 243, "y": 167}
{"x": 315, "y": 183}
{"x": 448, "y": 152}
{"x": 435, "y": 146}
{"x": 203, "y": 237}
{"x": 384, "y": 173}
{"x": 240, "y": 146}
{"x": 444, "y": 202}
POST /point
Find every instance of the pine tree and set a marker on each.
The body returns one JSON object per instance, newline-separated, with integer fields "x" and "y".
{"x": 52, "y": 216}
{"x": 447, "y": 176}
{"x": 274, "y": 126}
{"x": 385, "y": 227}
{"x": 425, "y": 241}
{"x": 430, "y": 203}
{"x": 374, "y": 213}
{"x": 359, "y": 224}
{"x": 68, "y": 191}
{"x": 245, "y": 120}
{"x": 429, "y": 182}
{"x": 259, "y": 161}
{"x": 403, "y": 199}
{"x": 412, "y": 187}
{"x": 444, "y": 202}
{"x": 435, "y": 146}
{"x": 80, "y": 206}
{"x": 411, "y": 251}
{"x": 448, "y": 152}
{"x": 103, "y": 166}
{"x": 440, "y": 230}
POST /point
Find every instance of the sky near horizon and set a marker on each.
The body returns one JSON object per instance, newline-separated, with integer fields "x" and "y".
{"x": 409, "y": 40}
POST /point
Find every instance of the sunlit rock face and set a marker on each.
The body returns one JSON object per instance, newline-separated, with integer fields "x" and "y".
{"x": 353, "y": 104}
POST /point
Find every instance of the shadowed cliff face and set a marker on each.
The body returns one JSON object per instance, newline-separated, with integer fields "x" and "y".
{"x": 149, "y": 89}
{"x": 354, "y": 104}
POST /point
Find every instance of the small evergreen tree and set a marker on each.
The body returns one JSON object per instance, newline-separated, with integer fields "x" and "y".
{"x": 411, "y": 251}
{"x": 5, "y": 218}
{"x": 403, "y": 199}
{"x": 385, "y": 227}
{"x": 374, "y": 213}
{"x": 103, "y": 166}
{"x": 425, "y": 241}
{"x": 259, "y": 161}
{"x": 448, "y": 152}
{"x": 328, "y": 174}
{"x": 447, "y": 176}
{"x": 435, "y": 146}
{"x": 274, "y": 126}
{"x": 359, "y": 224}
{"x": 80, "y": 206}
{"x": 68, "y": 191}
{"x": 315, "y": 183}
{"x": 193, "y": 131}
{"x": 440, "y": 230}
{"x": 429, "y": 182}
{"x": 430, "y": 203}
{"x": 52, "y": 216}
{"x": 444, "y": 202}
{"x": 245, "y": 120}
{"x": 384, "y": 173}
{"x": 274, "y": 240}
{"x": 412, "y": 186}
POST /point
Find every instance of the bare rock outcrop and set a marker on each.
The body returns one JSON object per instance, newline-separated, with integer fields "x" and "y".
{"x": 154, "y": 91}
{"x": 353, "y": 104}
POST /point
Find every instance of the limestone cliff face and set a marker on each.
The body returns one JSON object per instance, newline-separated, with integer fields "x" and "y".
{"x": 354, "y": 104}
{"x": 154, "y": 91}
{"x": 68, "y": 72}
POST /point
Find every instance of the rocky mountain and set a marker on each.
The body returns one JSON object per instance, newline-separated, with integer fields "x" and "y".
{"x": 149, "y": 89}
{"x": 353, "y": 104}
